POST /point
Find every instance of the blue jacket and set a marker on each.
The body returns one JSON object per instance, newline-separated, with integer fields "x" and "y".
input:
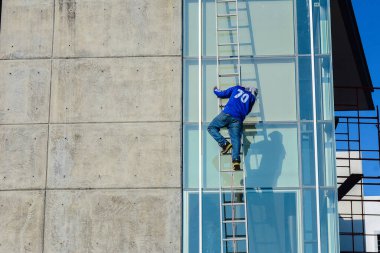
{"x": 240, "y": 101}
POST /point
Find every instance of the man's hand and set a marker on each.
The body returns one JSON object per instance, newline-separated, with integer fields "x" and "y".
{"x": 215, "y": 88}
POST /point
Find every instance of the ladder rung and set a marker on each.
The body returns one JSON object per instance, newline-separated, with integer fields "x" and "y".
{"x": 227, "y": 30}
{"x": 228, "y": 74}
{"x": 226, "y": 1}
{"x": 228, "y": 44}
{"x": 235, "y": 239}
{"x": 233, "y": 204}
{"x": 228, "y": 58}
{"x": 226, "y": 171}
{"x": 227, "y": 15}
{"x": 234, "y": 191}
{"x": 240, "y": 220}
{"x": 239, "y": 188}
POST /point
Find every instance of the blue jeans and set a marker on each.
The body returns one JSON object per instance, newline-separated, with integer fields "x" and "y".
{"x": 235, "y": 128}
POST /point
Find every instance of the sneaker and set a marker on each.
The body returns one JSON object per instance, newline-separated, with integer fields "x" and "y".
{"x": 226, "y": 148}
{"x": 236, "y": 165}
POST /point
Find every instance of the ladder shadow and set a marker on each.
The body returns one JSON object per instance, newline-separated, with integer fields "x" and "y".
{"x": 263, "y": 159}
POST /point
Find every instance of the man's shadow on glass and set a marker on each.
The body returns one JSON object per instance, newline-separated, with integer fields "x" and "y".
{"x": 263, "y": 159}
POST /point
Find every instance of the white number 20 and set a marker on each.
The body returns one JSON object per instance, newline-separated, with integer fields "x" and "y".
{"x": 243, "y": 98}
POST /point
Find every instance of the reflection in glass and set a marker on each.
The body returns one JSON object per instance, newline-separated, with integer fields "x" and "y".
{"x": 329, "y": 221}
{"x": 305, "y": 88}
{"x": 310, "y": 221}
{"x": 271, "y": 156}
{"x": 326, "y": 154}
{"x": 303, "y": 26}
{"x": 321, "y": 23}
{"x": 307, "y": 153}
{"x": 273, "y": 219}
{"x": 324, "y": 88}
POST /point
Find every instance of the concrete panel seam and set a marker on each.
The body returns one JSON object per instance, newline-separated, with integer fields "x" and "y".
{"x": 74, "y": 123}
{"x": 93, "y": 57}
{"x": 92, "y": 189}
{"x": 114, "y": 122}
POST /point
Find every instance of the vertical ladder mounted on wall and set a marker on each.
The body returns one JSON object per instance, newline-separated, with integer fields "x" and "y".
{"x": 232, "y": 187}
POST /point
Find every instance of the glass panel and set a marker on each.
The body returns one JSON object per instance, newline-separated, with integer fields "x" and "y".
{"x": 190, "y": 156}
{"x": 190, "y": 222}
{"x": 310, "y": 221}
{"x": 271, "y": 155}
{"x": 303, "y": 26}
{"x": 270, "y": 29}
{"x": 323, "y": 88}
{"x": 275, "y": 80}
{"x": 210, "y": 222}
{"x": 305, "y": 87}
{"x": 209, "y": 28}
{"x": 273, "y": 218}
{"x": 307, "y": 152}
{"x": 211, "y": 160}
{"x": 326, "y": 154}
{"x": 190, "y": 90}
{"x": 211, "y": 164}
{"x": 190, "y": 28}
{"x": 210, "y": 101}
{"x": 266, "y": 27}
{"x": 329, "y": 221}
{"x": 321, "y": 26}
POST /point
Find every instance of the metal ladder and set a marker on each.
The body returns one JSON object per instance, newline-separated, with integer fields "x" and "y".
{"x": 233, "y": 207}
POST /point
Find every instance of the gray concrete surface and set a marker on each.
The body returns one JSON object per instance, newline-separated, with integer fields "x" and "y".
{"x": 90, "y": 98}
{"x": 26, "y": 29}
{"x": 123, "y": 89}
{"x": 131, "y": 155}
{"x": 24, "y": 91}
{"x": 21, "y": 221}
{"x": 23, "y": 155}
{"x": 101, "y": 221}
{"x": 117, "y": 28}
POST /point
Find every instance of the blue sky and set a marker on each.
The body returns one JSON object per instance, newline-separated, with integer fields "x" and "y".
{"x": 367, "y": 14}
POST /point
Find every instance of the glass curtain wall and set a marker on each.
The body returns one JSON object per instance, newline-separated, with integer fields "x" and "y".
{"x": 288, "y": 140}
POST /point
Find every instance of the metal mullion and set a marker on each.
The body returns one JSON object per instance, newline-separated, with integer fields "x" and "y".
{"x": 311, "y": 27}
{"x": 299, "y": 133}
{"x": 200, "y": 124}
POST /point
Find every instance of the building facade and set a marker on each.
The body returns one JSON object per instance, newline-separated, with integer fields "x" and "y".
{"x": 289, "y": 147}
{"x": 90, "y": 126}
{"x": 104, "y": 106}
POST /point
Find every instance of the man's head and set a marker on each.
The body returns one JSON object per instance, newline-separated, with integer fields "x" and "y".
{"x": 252, "y": 89}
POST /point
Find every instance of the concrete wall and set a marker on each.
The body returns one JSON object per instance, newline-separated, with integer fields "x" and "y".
{"x": 90, "y": 126}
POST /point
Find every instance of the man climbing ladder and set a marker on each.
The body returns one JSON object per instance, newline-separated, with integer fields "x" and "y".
{"x": 239, "y": 105}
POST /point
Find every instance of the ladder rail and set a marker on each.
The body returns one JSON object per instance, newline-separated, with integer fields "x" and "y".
{"x": 234, "y": 191}
{"x": 219, "y": 103}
